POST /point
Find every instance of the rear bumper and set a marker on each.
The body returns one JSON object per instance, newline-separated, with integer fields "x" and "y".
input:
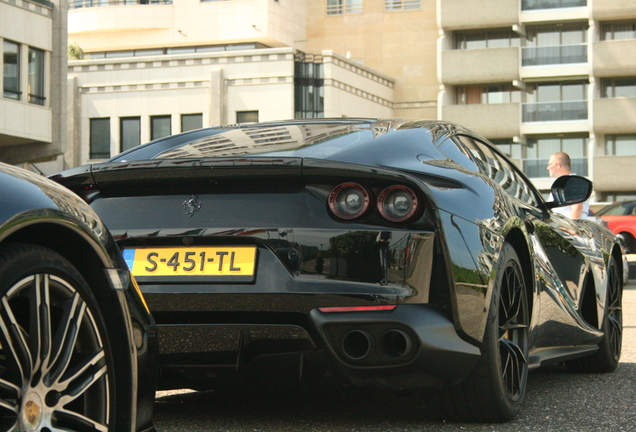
{"x": 411, "y": 347}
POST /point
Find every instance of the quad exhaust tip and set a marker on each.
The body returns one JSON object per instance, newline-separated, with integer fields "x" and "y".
{"x": 360, "y": 344}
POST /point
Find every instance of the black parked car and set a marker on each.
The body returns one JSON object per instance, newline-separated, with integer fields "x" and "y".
{"x": 400, "y": 254}
{"x": 78, "y": 350}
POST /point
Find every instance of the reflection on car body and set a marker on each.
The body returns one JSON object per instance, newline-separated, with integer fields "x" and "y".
{"x": 475, "y": 276}
{"x": 78, "y": 349}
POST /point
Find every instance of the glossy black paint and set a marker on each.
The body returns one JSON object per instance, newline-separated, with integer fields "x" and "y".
{"x": 267, "y": 185}
{"x": 38, "y": 211}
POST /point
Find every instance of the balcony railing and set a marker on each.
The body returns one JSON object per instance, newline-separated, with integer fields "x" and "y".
{"x": 554, "y": 111}
{"x": 76, "y": 4}
{"x": 344, "y": 6}
{"x": 402, "y": 4}
{"x": 551, "y": 4}
{"x": 563, "y": 54}
{"x": 539, "y": 167}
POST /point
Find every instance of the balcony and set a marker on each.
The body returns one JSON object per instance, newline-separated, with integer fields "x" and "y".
{"x": 605, "y": 169}
{"x": 551, "y": 4}
{"x": 614, "y": 58}
{"x": 613, "y": 10}
{"x": 553, "y": 55}
{"x": 460, "y": 14}
{"x": 455, "y": 69}
{"x": 492, "y": 120}
{"x": 615, "y": 115}
{"x": 554, "y": 111}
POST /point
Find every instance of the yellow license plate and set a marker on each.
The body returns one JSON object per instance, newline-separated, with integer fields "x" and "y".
{"x": 191, "y": 261}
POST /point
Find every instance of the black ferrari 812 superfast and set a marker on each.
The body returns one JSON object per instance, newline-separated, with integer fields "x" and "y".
{"x": 403, "y": 254}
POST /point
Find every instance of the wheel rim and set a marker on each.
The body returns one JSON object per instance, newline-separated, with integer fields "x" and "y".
{"x": 615, "y": 312}
{"x": 53, "y": 372}
{"x": 513, "y": 332}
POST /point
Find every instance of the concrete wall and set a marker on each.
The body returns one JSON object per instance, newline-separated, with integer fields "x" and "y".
{"x": 464, "y": 14}
{"x": 398, "y": 43}
{"x": 491, "y": 121}
{"x": 30, "y": 132}
{"x": 490, "y": 65}
{"x": 188, "y": 22}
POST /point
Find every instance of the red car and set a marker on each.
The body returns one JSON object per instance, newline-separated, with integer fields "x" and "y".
{"x": 620, "y": 218}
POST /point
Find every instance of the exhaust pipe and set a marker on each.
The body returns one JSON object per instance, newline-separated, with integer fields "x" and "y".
{"x": 396, "y": 343}
{"x": 358, "y": 345}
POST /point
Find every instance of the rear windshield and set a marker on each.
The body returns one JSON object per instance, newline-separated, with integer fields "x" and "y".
{"x": 316, "y": 141}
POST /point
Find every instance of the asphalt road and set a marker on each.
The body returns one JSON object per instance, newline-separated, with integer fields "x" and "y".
{"x": 556, "y": 400}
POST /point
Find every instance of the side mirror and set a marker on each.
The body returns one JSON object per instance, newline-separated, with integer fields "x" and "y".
{"x": 568, "y": 190}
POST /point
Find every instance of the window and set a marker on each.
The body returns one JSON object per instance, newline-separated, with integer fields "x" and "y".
{"x": 160, "y": 126}
{"x": 130, "y": 131}
{"x": 402, "y": 4}
{"x": 488, "y": 94}
{"x": 618, "y": 30}
{"x": 539, "y": 150}
{"x": 555, "y": 44}
{"x": 551, "y": 4}
{"x": 308, "y": 88}
{"x": 620, "y": 145}
{"x": 618, "y": 87}
{"x": 99, "y": 138}
{"x": 508, "y": 147}
{"x": 338, "y": 7}
{"x": 191, "y": 121}
{"x": 556, "y": 102}
{"x": 496, "y": 38}
{"x": 36, "y": 76}
{"x": 499, "y": 170}
{"x": 247, "y": 116}
{"x": 11, "y": 70}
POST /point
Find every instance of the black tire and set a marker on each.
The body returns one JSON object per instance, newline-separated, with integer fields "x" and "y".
{"x": 495, "y": 389}
{"x": 609, "y": 348}
{"x": 55, "y": 361}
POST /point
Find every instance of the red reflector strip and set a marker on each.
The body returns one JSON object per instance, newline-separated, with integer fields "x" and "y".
{"x": 358, "y": 308}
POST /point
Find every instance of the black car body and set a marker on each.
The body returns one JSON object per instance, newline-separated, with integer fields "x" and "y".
{"x": 78, "y": 345}
{"x": 396, "y": 253}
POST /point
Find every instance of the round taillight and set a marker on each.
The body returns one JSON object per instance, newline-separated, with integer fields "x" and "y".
{"x": 349, "y": 200}
{"x": 398, "y": 203}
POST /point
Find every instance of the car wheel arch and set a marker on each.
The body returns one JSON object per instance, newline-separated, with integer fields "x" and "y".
{"x": 84, "y": 256}
{"x": 628, "y": 240}
{"x": 517, "y": 240}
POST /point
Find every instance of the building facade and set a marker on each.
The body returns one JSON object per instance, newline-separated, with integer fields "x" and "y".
{"x": 541, "y": 76}
{"x": 160, "y": 68}
{"x": 33, "y": 72}
{"x": 533, "y": 76}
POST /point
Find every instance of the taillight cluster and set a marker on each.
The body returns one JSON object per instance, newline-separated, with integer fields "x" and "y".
{"x": 397, "y": 203}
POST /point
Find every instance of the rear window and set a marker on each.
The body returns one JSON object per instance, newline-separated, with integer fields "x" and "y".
{"x": 317, "y": 141}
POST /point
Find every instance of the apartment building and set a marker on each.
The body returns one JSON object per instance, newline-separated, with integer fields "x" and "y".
{"x": 152, "y": 69}
{"x": 33, "y": 73}
{"x": 396, "y": 37}
{"x": 540, "y": 76}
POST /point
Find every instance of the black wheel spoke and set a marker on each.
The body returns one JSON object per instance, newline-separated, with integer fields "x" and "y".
{"x": 65, "y": 338}
{"x": 40, "y": 335}
{"x": 80, "y": 423}
{"x": 82, "y": 378}
{"x": 13, "y": 340}
{"x": 513, "y": 331}
{"x": 513, "y": 362}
